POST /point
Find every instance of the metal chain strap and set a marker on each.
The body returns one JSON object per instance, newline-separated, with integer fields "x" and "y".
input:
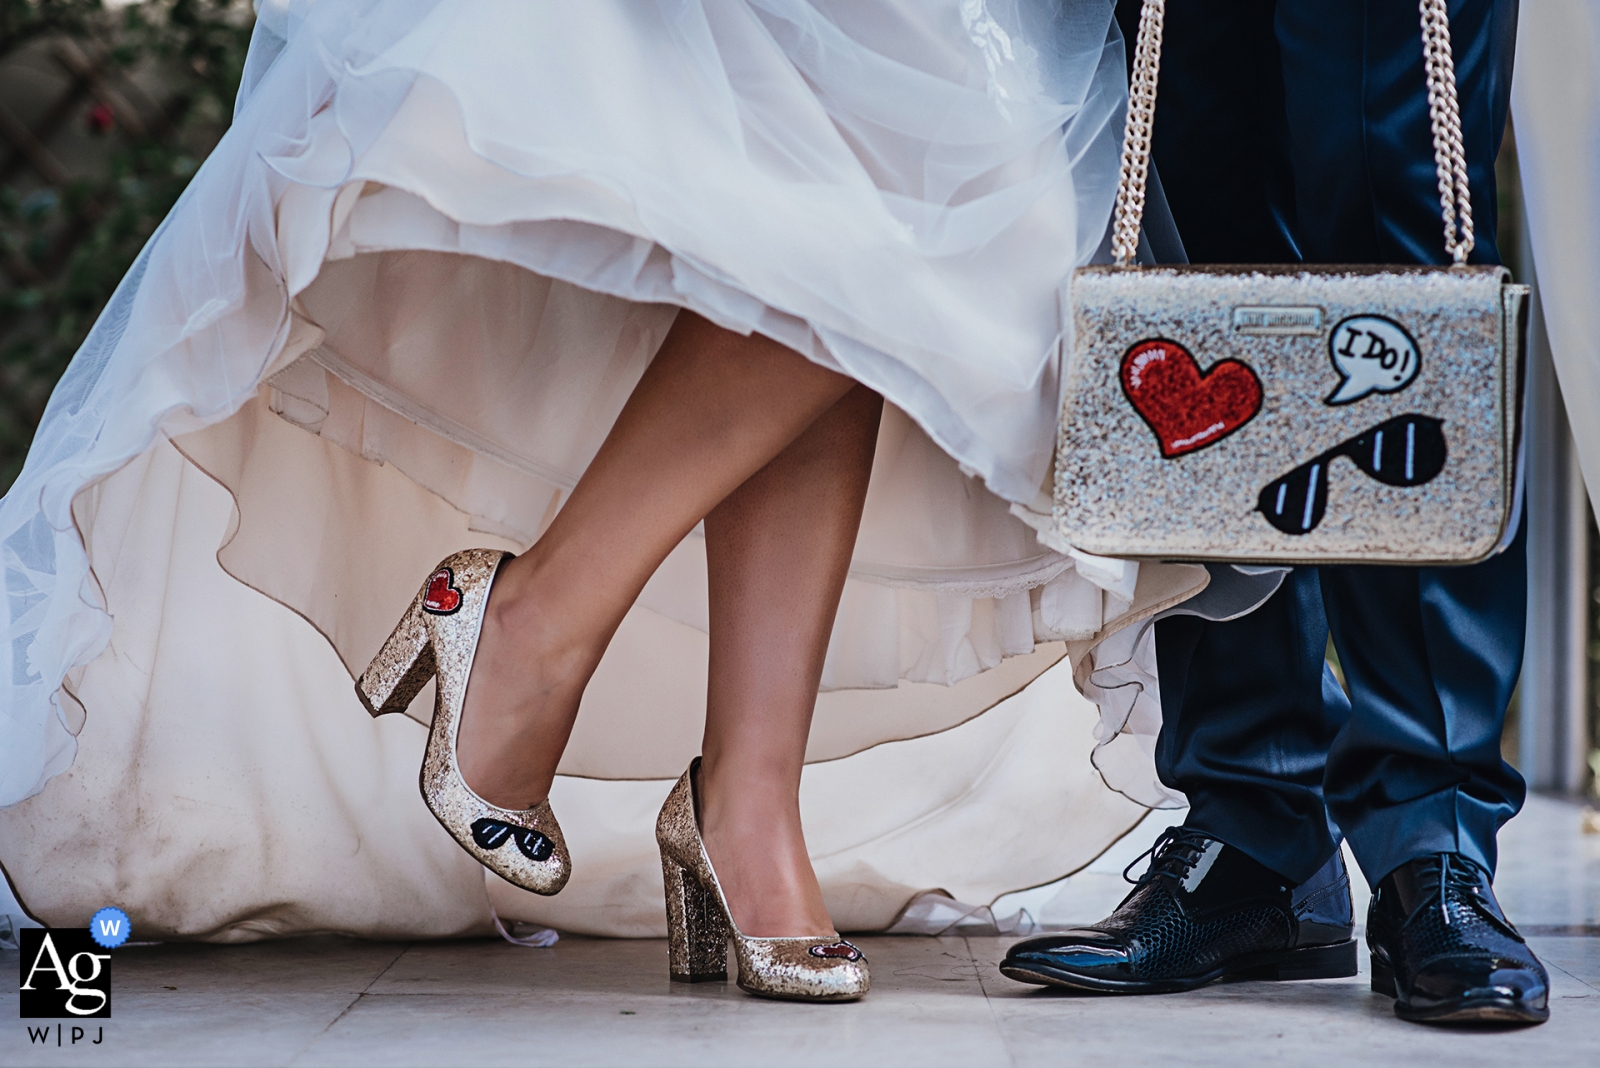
{"x": 1136, "y": 134}
{"x": 1444, "y": 110}
{"x": 1448, "y": 152}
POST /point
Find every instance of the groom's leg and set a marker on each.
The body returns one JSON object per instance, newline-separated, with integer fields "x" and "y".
{"x": 1246, "y": 716}
{"x": 1249, "y": 710}
{"x": 1431, "y": 653}
{"x": 1415, "y": 778}
{"x": 1252, "y": 885}
{"x": 1221, "y": 141}
{"x": 1334, "y": 100}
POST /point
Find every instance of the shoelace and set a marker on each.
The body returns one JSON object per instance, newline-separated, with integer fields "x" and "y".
{"x": 1175, "y": 851}
{"x": 1460, "y": 875}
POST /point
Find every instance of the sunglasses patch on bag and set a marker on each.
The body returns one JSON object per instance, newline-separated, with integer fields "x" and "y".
{"x": 1405, "y": 451}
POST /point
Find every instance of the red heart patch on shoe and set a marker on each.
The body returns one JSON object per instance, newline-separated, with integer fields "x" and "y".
{"x": 442, "y": 597}
{"x": 1187, "y": 408}
{"x": 840, "y": 950}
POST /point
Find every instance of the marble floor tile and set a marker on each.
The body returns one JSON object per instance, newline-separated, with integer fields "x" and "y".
{"x": 594, "y": 1002}
{"x": 1549, "y": 870}
{"x": 934, "y": 1002}
{"x": 1576, "y": 957}
{"x": 182, "y": 1004}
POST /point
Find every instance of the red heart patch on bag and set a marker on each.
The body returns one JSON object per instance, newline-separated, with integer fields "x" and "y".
{"x": 442, "y": 597}
{"x": 1187, "y": 408}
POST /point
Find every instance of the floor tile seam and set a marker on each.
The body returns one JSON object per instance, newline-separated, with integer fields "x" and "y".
{"x": 387, "y": 968}
{"x": 988, "y": 1003}
{"x": 303, "y": 1050}
{"x": 1575, "y": 978}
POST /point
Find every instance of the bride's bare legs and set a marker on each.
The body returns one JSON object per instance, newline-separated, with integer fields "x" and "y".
{"x": 778, "y": 549}
{"x": 713, "y": 409}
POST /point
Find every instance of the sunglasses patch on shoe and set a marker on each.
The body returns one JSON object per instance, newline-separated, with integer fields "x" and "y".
{"x": 492, "y": 834}
{"x": 1405, "y": 451}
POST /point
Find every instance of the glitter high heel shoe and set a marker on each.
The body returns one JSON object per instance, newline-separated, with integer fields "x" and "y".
{"x": 699, "y": 924}
{"x": 438, "y": 636}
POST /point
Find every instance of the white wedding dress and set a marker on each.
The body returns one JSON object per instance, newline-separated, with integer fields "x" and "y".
{"x": 395, "y": 314}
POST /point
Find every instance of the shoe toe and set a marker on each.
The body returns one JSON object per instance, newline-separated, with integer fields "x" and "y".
{"x": 802, "y": 969}
{"x": 1066, "y": 944}
{"x": 1093, "y": 956}
{"x": 1478, "y": 992}
{"x": 1083, "y": 956}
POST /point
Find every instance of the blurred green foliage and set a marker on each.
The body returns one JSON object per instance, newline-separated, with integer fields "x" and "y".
{"x": 66, "y": 244}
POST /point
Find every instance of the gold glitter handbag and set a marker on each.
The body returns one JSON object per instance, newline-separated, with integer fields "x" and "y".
{"x": 1207, "y": 408}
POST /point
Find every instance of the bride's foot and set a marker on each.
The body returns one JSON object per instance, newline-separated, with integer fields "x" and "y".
{"x": 789, "y": 949}
{"x": 437, "y": 638}
{"x": 753, "y": 837}
{"x": 522, "y": 696}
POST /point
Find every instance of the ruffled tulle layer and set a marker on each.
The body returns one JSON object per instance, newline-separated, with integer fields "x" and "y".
{"x": 230, "y": 787}
{"x": 400, "y": 307}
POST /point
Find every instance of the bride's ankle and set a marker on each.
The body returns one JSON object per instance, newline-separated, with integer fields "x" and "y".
{"x": 549, "y": 653}
{"x": 526, "y": 682}
{"x": 759, "y": 853}
{"x": 546, "y": 616}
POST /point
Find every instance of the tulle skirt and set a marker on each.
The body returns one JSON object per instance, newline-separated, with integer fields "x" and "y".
{"x": 395, "y": 315}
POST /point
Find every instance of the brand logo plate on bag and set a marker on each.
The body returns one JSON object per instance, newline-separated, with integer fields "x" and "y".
{"x": 1277, "y": 319}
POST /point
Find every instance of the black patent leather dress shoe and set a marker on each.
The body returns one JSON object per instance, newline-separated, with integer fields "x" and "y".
{"x": 1203, "y": 911}
{"x": 1445, "y": 952}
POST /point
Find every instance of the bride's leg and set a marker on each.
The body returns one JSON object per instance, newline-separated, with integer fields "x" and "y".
{"x": 778, "y": 549}
{"x": 713, "y": 408}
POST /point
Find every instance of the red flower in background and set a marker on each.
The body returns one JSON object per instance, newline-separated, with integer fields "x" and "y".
{"x": 100, "y": 118}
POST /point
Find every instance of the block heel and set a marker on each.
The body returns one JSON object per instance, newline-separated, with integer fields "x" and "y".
{"x": 402, "y": 667}
{"x": 697, "y": 933}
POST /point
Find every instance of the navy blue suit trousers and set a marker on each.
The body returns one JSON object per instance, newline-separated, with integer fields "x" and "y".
{"x": 1297, "y": 131}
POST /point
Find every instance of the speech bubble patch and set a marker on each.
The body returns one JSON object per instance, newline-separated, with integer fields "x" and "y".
{"x": 1372, "y": 355}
